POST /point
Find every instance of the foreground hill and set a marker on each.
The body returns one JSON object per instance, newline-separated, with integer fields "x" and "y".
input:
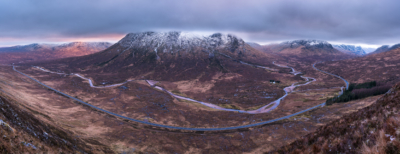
{"x": 374, "y": 129}
{"x": 383, "y": 67}
{"x": 22, "y": 132}
{"x": 38, "y": 52}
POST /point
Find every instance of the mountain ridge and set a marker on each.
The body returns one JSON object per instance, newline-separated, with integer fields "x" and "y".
{"x": 385, "y": 48}
{"x": 37, "y": 52}
{"x": 37, "y": 46}
{"x": 351, "y": 49}
{"x": 173, "y": 41}
{"x": 302, "y": 48}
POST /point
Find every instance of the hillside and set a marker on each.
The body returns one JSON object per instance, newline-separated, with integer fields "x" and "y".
{"x": 383, "y": 67}
{"x": 254, "y": 45}
{"x": 385, "y": 48}
{"x": 40, "y": 52}
{"x": 220, "y": 70}
{"x": 22, "y": 132}
{"x": 373, "y": 129}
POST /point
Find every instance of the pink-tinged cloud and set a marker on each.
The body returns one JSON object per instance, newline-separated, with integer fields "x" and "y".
{"x": 353, "y": 21}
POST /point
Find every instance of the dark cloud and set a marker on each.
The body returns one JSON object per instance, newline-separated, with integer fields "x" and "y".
{"x": 353, "y": 21}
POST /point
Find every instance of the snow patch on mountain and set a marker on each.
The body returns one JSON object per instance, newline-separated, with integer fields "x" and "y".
{"x": 306, "y": 44}
{"x": 316, "y": 43}
{"x": 173, "y": 41}
{"x": 369, "y": 50}
{"x": 357, "y": 50}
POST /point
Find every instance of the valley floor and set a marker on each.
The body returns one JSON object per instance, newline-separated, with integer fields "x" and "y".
{"x": 140, "y": 101}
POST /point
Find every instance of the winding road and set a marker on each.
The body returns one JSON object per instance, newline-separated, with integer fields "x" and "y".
{"x": 80, "y": 76}
{"x": 273, "y": 105}
{"x": 345, "y": 81}
{"x": 152, "y": 83}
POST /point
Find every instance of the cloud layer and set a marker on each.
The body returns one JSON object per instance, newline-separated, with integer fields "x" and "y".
{"x": 352, "y": 21}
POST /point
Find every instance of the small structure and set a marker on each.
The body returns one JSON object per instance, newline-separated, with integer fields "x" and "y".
{"x": 273, "y": 81}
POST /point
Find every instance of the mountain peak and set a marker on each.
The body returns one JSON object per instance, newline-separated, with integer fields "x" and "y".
{"x": 308, "y": 43}
{"x": 174, "y": 40}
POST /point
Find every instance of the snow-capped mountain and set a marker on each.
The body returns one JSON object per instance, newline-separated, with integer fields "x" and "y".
{"x": 314, "y": 43}
{"x": 170, "y": 42}
{"x": 350, "y": 49}
{"x": 171, "y": 56}
{"x": 303, "y": 48}
{"x": 369, "y": 50}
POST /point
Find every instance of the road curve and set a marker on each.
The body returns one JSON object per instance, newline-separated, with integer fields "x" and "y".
{"x": 80, "y": 76}
{"x": 345, "y": 81}
{"x": 167, "y": 126}
{"x": 264, "y": 109}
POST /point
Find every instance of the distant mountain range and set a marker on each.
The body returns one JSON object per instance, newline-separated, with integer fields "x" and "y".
{"x": 385, "y": 48}
{"x": 301, "y": 48}
{"x": 35, "y": 52}
{"x": 307, "y": 44}
{"x": 73, "y": 46}
{"x": 350, "y": 49}
{"x": 313, "y": 45}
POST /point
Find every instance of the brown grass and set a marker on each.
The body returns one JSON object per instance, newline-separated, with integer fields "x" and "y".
{"x": 384, "y": 67}
{"x": 370, "y": 130}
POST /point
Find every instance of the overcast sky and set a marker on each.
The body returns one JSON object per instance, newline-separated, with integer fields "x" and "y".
{"x": 363, "y": 22}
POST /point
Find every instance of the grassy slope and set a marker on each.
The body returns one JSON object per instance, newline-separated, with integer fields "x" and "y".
{"x": 21, "y": 132}
{"x": 374, "y": 129}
